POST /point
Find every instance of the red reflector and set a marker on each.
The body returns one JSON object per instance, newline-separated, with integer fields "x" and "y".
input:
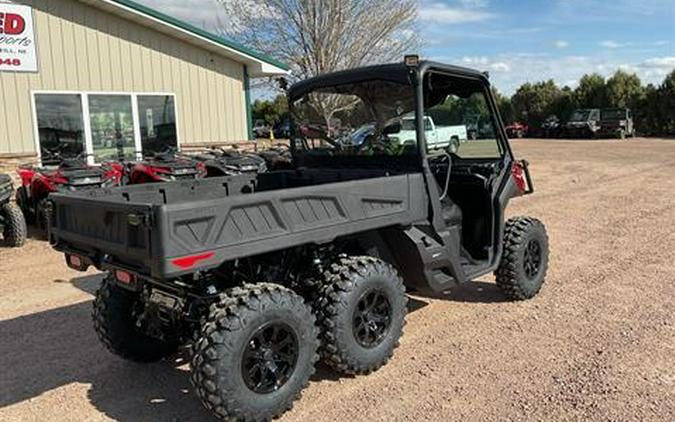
{"x": 190, "y": 261}
{"x": 124, "y": 277}
{"x": 519, "y": 176}
{"x": 75, "y": 260}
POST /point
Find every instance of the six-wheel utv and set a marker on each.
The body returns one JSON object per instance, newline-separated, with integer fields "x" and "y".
{"x": 263, "y": 274}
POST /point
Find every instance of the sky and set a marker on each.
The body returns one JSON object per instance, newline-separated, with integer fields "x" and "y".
{"x": 525, "y": 40}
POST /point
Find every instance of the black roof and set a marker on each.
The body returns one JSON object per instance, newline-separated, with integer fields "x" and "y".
{"x": 394, "y": 72}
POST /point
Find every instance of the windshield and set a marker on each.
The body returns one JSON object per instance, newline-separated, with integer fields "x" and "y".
{"x": 362, "y": 119}
{"x": 613, "y": 114}
{"x": 580, "y": 115}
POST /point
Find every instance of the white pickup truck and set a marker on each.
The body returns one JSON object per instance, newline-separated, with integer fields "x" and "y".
{"x": 438, "y": 137}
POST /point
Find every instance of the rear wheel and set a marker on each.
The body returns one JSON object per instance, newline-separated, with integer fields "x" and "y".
{"x": 524, "y": 261}
{"x": 255, "y": 353}
{"x": 116, "y": 321}
{"x": 362, "y": 308}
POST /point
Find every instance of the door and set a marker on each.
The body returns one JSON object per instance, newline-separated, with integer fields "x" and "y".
{"x": 467, "y": 176}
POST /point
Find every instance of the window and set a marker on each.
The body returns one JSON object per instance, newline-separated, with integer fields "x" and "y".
{"x": 105, "y": 126}
{"x": 460, "y": 116}
{"x": 112, "y": 127}
{"x": 157, "y": 117}
{"x": 60, "y": 125}
{"x": 366, "y": 123}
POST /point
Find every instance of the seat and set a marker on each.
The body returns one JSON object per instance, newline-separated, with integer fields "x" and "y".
{"x": 452, "y": 213}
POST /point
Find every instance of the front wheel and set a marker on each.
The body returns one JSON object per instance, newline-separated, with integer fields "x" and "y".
{"x": 524, "y": 262}
{"x": 13, "y": 224}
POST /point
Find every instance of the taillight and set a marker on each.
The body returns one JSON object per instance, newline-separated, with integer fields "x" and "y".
{"x": 124, "y": 277}
{"x": 76, "y": 262}
{"x": 518, "y": 174}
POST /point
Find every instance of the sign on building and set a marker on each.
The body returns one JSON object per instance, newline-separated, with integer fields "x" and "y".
{"x": 17, "y": 39}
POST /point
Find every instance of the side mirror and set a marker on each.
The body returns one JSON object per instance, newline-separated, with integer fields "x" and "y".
{"x": 392, "y": 129}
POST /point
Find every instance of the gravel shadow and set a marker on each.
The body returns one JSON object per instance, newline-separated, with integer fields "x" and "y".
{"x": 46, "y": 350}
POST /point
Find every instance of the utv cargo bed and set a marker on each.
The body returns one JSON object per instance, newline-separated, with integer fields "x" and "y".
{"x": 166, "y": 230}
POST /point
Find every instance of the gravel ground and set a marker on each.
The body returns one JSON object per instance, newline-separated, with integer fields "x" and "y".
{"x": 598, "y": 343}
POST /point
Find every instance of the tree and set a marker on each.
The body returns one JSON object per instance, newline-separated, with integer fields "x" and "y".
{"x": 666, "y": 103}
{"x": 532, "y": 102}
{"x": 271, "y": 111}
{"x": 504, "y": 106}
{"x": 319, "y": 36}
{"x": 591, "y": 92}
{"x": 624, "y": 89}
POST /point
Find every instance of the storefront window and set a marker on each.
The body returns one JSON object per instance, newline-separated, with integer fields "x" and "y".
{"x": 60, "y": 126}
{"x": 157, "y": 118}
{"x": 112, "y": 127}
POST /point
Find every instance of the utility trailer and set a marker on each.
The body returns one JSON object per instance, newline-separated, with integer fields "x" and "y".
{"x": 260, "y": 275}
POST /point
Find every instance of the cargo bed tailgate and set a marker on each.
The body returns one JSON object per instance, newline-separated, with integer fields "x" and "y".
{"x": 98, "y": 228}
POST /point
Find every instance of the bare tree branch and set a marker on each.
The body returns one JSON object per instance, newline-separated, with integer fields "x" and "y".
{"x": 319, "y": 36}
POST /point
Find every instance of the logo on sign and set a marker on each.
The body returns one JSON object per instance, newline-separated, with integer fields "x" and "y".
{"x": 17, "y": 39}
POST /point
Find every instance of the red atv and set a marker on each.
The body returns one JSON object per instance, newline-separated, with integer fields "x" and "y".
{"x": 69, "y": 174}
{"x": 164, "y": 167}
{"x": 516, "y": 130}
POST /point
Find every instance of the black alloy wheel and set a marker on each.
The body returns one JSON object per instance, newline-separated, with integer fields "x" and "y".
{"x": 270, "y": 357}
{"x": 532, "y": 259}
{"x": 372, "y": 318}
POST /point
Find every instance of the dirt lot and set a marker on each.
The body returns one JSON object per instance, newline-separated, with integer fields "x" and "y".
{"x": 598, "y": 342}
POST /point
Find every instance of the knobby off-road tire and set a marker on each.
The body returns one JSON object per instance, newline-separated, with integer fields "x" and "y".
{"x": 115, "y": 317}
{"x": 43, "y": 211}
{"x": 524, "y": 262}
{"x": 361, "y": 308}
{"x": 21, "y": 198}
{"x": 14, "y": 232}
{"x": 256, "y": 353}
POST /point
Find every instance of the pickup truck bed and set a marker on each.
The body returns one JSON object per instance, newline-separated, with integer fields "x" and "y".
{"x": 166, "y": 230}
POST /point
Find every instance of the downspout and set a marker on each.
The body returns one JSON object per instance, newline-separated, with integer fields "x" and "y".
{"x": 249, "y": 106}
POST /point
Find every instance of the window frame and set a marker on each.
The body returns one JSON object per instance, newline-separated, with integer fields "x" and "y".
{"x": 84, "y": 98}
{"x": 500, "y": 136}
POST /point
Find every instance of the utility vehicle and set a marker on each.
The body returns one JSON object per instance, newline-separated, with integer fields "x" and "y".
{"x": 583, "y": 123}
{"x": 262, "y": 274}
{"x": 616, "y": 122}
{"x": 12, "y": 222}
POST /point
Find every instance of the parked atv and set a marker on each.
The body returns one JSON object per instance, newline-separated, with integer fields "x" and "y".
{"x": 230, "y": 162}
{"x": 516, "y": 130}
{"x": 277, "y": 157}
{"x": 12, "y": 221}
{"x": 70, "y": 174}
{"x": 166, "y": 166}
{"x": 264, "y": 274}
{"x": 616, "y": 122}
{"x": 584, "y": 123}
{"x": 551, "y": 127}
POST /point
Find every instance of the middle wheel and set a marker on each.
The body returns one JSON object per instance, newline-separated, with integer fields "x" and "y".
{"x": 361, "y": 308}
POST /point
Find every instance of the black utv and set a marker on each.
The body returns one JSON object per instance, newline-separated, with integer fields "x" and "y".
{"x": 263, "y": 274}
{"x": 12, "y": 222}
{"x": 583, "y": 123}
{"x": 616, "y": 122}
